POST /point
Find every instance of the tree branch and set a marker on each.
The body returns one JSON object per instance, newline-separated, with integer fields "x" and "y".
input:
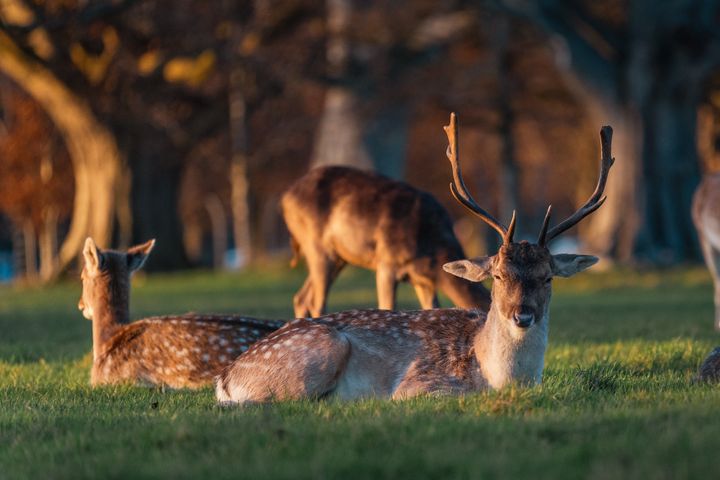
{"x": 589, "y": 56}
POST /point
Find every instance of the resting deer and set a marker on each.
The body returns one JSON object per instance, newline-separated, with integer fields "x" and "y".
{"x": 340, "y": 215}
{"x": 401, "y": 354}
{"x": 706, "y": 217}
{"x": 174, "y": 351}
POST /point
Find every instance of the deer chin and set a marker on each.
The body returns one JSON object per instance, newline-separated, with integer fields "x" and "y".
{"x": 514, "y": 331}
{"x": 87, "y": 312}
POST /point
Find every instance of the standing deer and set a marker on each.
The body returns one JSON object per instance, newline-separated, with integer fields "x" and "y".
{"x": 706, "y": 217}
{"x": 175, "y": 351}
{"x": 402, "y": 354}
{"x": 340, "y": 215}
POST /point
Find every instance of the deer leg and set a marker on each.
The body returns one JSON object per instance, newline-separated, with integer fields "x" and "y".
{"x": 323, "y": 271}
{"x": 712, "y": 260}
{"x": 303, "y": 299}
{"x": 716, "y": 281}
{"x": 386, "y": 287}
{"x": 426, "y": 295}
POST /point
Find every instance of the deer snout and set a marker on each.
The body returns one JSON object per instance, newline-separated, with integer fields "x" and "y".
{"x": 524, "y": 318}
{"x": 86, "y": 311}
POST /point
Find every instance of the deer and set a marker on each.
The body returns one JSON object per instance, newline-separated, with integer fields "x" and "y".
{"x": 178, "y": 351}
{"x": 339, "y": 215}
{"x": 706, "y": 217}
{"x": 398, "y": 355}
{"x": 709, "y": 370}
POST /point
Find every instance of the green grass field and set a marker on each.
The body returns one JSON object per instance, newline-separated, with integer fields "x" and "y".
{"x": 618, "y": 400}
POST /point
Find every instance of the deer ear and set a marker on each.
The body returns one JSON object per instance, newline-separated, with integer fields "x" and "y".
{"x": 137, "y": 255}
{"x": 474, "y": 269}
{"x": 567, "y": 265}
{"x": 93, "y": 256}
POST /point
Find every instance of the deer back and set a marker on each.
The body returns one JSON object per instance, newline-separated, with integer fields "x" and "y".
{"x": 368, "y": 219}
{"x": 185, "y": 351}
{"x": 358, "y": 354}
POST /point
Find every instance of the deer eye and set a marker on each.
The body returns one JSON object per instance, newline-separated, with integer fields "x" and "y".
{"x": 548, "y": 280}
{"x": 497, "y": 277}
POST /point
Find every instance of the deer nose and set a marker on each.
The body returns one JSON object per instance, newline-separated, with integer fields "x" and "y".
{"x": 81, "y": 305}
{"x": 524, "y": 320}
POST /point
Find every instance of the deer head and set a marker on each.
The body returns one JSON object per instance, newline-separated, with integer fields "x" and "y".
{"x": 106, "y": 277}
{"x": 523, "y": 271}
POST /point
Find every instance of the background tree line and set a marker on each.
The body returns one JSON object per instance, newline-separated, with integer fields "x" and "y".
{"x": 185, "y": 121}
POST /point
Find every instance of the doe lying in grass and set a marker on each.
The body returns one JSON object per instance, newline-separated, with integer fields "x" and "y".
{"x": 175, "y": 351}
{"x": 402, "y": 354}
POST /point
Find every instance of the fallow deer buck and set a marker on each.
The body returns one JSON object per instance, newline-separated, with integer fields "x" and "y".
{"x": 340, "y": 215}
{"x": 174, "y": 351}
{"x": 401, "y": 354}
{"x": 706, "y": 217}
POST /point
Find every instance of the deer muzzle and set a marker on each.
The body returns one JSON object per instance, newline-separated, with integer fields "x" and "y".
{"x": 524, "y": 320}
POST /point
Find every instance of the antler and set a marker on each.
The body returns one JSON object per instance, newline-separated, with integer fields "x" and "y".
{"x": 596, "y": 199}
{"x": 459, "y": 190}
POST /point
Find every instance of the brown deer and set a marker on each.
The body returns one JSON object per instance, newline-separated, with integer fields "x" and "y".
{"x": 401, "y": 354}
{"x": 340, "y": 215}
{"x": 706, "y": 217}
{"x": 174, "y": 351}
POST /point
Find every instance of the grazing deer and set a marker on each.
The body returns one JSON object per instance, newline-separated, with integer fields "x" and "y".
{"x": 401, "y": 354}
{"x": 175, "y": 351}
{"x": 706, "y": 217}
{"x": 340, "y": 215}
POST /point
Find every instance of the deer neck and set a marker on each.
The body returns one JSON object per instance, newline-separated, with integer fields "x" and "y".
{"x": 110, "y": 312}
{"x": 506, "y": 354}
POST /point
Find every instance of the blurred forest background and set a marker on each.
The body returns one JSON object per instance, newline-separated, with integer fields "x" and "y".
{"x": 185, "y": 120}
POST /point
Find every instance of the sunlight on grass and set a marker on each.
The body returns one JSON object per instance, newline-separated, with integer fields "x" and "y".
{"x": 624, "y": 349}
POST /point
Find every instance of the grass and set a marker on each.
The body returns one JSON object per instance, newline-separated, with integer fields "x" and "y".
{"x": 618, "y": 400}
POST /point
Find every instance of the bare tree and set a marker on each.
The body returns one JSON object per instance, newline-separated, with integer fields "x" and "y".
{"x": 93, "y": 150}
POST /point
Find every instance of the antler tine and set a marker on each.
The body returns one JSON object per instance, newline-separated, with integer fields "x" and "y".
{"x": 458, "y": 188}
{"x": 542, "y": 238}
{"x": 596, "y": 199}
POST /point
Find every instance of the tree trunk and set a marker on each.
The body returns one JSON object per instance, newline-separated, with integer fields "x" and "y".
{"x": 672, "y": 173}
{"x": 386, "y": 140}
{"x": 339, "y": 139}
{"x": 156, "y": 174}
{"x": 30, "y": 243}
{"x": 239, "y": 152}
{"x": 612, "y": 230}
{"x": 48, "y": 244}
{"x": 218, "y": 224}
{"x": 92, "y": 148}
{"x": 509, "y": 171}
